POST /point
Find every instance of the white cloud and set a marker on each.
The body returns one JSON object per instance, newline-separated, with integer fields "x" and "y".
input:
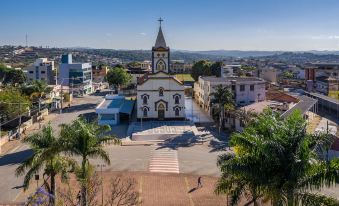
{"x": 143, "y": 34}
{"x": 325, "y": 37}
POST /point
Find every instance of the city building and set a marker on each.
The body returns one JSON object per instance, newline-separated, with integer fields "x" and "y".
{"x": 323, "y": 78}
{"x": 77, "y": 76}
{"x": 160, "y": 95}
{"x": 229, "y": 70}
{"x": 180, "y": 67}
{"x": 269, "y": 74}
{"x": 99, "y": 73}
{"x": 146, "y": 65}
{"x": 114, "y": 109}
{"x": 43, "y": 70}
{"x": 139, "y": 70}
{"x": 247, "y": 90}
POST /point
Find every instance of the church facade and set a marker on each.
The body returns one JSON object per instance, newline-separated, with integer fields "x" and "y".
{"x": 160, "y": 96}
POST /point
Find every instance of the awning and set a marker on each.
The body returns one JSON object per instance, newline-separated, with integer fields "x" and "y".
{"x": 127, "y": 107}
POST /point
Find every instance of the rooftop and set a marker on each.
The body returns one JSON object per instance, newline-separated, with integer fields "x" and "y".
{"x": 305, "y": 104}
{"x": 225, "y": 79}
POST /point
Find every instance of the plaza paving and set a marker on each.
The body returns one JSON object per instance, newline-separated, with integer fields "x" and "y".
{"x": 159, "y": 189}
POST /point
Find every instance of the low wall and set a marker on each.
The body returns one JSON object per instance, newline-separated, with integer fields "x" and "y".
{"x": 24, "y": 125}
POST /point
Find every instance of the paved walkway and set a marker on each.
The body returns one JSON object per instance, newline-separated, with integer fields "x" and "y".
{"x": 160, "y": 189}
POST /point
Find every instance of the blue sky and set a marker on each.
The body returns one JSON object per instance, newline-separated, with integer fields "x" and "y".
{"x": 189, "y": 24}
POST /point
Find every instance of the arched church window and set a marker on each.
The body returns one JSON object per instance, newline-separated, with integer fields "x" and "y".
{"x": 161, "y": 91}
{"x": 158, "y": 55}
{"x": 161, "y": 107}
{"x": 145, "y": 112}
{"x": 144, "y": 100}
{"x": 161, "y": 66}
{"x": 176, "y": 111}
{"x": 176, "y": 100}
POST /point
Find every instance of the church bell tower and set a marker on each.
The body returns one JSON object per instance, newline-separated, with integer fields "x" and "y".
{"x": 160, "y": 53}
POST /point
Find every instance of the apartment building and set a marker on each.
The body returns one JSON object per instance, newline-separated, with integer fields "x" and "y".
{"x": 180, "y": 67}
{"x": 99, "y": 73}
{"x": 75, "y": 75}
{"x": 247, "y": 90}
{"x": 43, "y": 70}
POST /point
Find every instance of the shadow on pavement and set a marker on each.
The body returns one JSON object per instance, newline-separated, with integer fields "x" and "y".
{"x": 79, "y": 107}
{"x": 15, "y": 158}
{"x": 192, "y": 190}
{"x": 218, "y": 146}
{"x": 181, "y": 140}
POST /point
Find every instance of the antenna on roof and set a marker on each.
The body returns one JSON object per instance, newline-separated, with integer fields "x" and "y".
{"x": 26, "y": 40}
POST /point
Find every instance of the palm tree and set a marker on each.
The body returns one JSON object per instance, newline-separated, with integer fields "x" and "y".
{"x": 86, "y": 140}
{"x": 223, "y": 98}
{"x": 46, "y": 156}
{"x": 275, "y": 159}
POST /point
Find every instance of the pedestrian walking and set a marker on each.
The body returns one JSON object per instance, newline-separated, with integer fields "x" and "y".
{"x": 199, "y": 182}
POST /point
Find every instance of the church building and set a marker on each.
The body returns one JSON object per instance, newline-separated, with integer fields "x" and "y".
{"x": 160, "y": 96}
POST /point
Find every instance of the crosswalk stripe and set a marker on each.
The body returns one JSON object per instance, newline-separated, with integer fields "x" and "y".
{"x": 164, "y": 160}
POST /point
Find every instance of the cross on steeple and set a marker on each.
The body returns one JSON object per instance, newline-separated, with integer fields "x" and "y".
{"x": 160, "y": 20}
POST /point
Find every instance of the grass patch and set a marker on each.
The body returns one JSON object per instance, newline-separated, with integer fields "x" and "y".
{"x": 184, "y": 77}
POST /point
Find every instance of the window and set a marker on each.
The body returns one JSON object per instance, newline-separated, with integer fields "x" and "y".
{"x": 43, "y": 72}
{"x": 242, "y": 88}
{"x": 161, "y": 92}
{"x": 31, "y": 72}
{"x": 145, "y": 112}
{"x": 144, "y": 100}
{"x": 233, "y": 87}
{"x": 252, "y": 87}
{"x": 176, "y": 100}
{"x": 177, "y": 112}
{"x": 161, "y": 65}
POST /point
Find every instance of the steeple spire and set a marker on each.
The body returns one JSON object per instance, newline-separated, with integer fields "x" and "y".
{"x": 160, "y": 42}
{"x": 160, "y": 20}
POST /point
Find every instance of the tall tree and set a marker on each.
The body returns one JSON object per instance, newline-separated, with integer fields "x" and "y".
{"x": 276, "y": 159}
{"x": 11, "y": 76}
{"x": 216, "y": 68}
{"x": 86, "y": 140}
{"x": 13, "y": 95}
{"x": 118, "y": 76}
{"x": 222, "y": 97}
{"x": 46, "y": 156}
{"x": 201, "y": 68}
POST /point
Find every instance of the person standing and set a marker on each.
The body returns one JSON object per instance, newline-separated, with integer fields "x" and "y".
{"x": 199, "y": 182}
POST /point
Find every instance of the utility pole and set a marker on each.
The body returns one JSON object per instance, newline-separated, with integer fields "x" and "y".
{"x": 0, "y": 132}
{"x": 20, "y": 120}
{"x": 102, "y": 183}
{"x": 61, "y": 98}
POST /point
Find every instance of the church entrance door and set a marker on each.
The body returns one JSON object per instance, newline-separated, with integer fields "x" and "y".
{"x": 161, "y": 112}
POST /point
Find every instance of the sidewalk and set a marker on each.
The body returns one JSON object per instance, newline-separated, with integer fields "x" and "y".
{"x": 11, "y": 145}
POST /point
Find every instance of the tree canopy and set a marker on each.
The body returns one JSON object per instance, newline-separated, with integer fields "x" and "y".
{"x": 206, "y": 68}
{"x": 11, "y": 76}
{"x": 275, "y": 159}
{"x": 13, "y": 95}
{"x": 118, "y": 76}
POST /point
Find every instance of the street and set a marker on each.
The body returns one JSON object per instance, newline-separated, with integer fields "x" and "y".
{"x": 10, "y": 185}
